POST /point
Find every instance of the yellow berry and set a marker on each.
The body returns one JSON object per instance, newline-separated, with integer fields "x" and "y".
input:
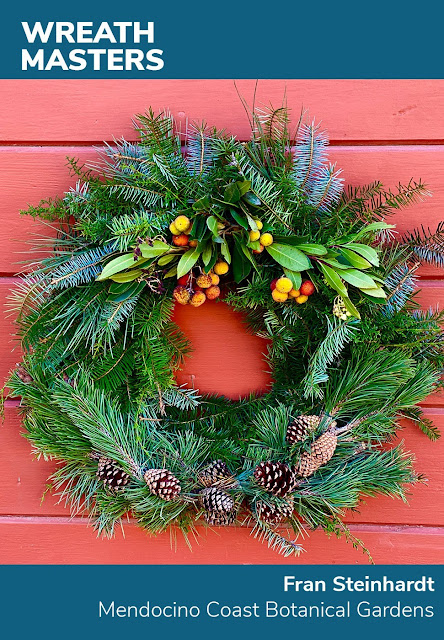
{"x": 294, "y": 293}
{"x": 221, "y": 267}
{"x": 214, "y": 278}
{"x": 254, "y": 235}
{"x": 259, "y": 224}
{"x": 197, "y": 299}
{"x": 284, "y": 285}
{"x": 182, "y": 223}
{"x": 174, "y": 230}
{"x": 204, "y": 281}
{"x": 266, "y": 239}
{"x": 301, "y": 299}
{"x": 278, "y": 296}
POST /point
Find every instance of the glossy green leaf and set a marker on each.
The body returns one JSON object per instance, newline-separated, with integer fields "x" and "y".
{"x": 225, "y": 250}
{"x": 351, "y": 307}
{"x": 158, "y": 248}
{"x": 116, "y": 265}
{"x": 127, "y": 276}
{"x": 332, "y": 278}
{"x": 295, "y": 277}
{"x": 355, "y": 259}
{"x": 289, "y": 257}
{"x": 232, "y": 193}
{"x": 172, "y": 272}
{"x": 372, "y": 227}
{"x": 202, "y": 204}
{"x": 375, "y": 293}
{"x": 240, "y": 263}
{"x": 212, "y": 225}
{"x": 358, "y": 279}
{"x": 251, "y": 222}
{"x": 207, "y": 253}
{"x": 187, "y": 261}
{"x": 243, "y": 186}
{"x": 312, "y": 249}
{"x": 251, "y": 198}
{"x": 164, "y": 260}
{"x": 131, "y": 290}
{"x": 237, "y": 217}
{"x": 366, "y": 252}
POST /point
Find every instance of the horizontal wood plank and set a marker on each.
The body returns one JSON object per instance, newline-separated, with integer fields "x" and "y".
{"x": 89, "y": 110}
{"x": 24, "y": 479}
{"x": 60, "y": 541}
{"x": 28, "y": 174}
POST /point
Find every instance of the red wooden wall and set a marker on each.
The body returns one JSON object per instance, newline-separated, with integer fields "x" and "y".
{"x": 387, "y": 130}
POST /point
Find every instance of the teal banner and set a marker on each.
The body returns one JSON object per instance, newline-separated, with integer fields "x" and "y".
{"x": 213, "y": 40}
{"x": 257, "y": 602}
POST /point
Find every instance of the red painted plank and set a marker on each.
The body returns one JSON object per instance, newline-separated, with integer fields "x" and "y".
{"x": 60, "y": 541}
{"x": 89, "y": 110}
{"x": 24, "y": 479}
{"x": 28, "y": 174}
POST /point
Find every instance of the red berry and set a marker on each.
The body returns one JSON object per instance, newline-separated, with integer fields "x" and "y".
{"x": 273, "y": 284}
{"x": 184, "y": 279}
{"x": 307, "y": 288}
{"x": 181, "y": 241}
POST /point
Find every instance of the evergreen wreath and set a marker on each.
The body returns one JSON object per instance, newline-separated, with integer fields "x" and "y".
{"x": 315, "y": 269}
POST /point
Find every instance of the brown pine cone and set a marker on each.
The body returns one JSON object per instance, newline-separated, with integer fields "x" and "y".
{"x": 275, "y": 477}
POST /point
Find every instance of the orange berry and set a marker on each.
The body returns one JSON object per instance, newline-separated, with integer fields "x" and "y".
{"x": 181, "y": 295}
{"x": 204, "y": 281}
{"x": 194, "y": 243}
{"x": 261, "y": 248}
{"x": 278, "y": 296}
{"x": 284, "y": 284}
{"x": 307, "y": 288}
{"x": 294, "y": 293}
{"x": 213, "y": 292}
{"x": 197, "y": 299}
{"x": 181, "y": 241}
{"x": 301, "y": 299}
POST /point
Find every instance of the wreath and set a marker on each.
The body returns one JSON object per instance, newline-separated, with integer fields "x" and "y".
{"x": 191, "y": 218}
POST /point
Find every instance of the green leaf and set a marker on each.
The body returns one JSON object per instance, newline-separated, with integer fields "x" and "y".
{"x": 351, "y": 307}
{"x": 225, "y": 251}
{"x": 116, "y": 265}
{"x": 207, "y": 253}
{"x": 252, "y": 223}
{"x": 335, "y": 264}
{"x": 158, "y": 248}
{"x": 212, "y": 225}
{"x": 366, "y": 252}
{"x": 358, "y": 279}
{"x": 251, "y": 198}
{"x": 374, "y": 226}
{"x": 313, "y": 249}
{"x": 232, "y": 192}
{"x": 202, "y": 204}
{"x": 239, "y": 218}
{"x": 244, "y": 186}
{"x": 334, "y": 280}
{"x": 355, "y": 259}
{"x": 199, "y": 228}
{"x": 164, "y": 260}
{"x": 375, "y": 293}
{"x": 131, "y": 290}
{"x": 172, "y": 272}
{"x": 241, "y": 265}
{"x": 295, "y": 277}
{"x": 187, "y": 261}
{"x": 127, "y": 276}
{"x": 289, "y": 257}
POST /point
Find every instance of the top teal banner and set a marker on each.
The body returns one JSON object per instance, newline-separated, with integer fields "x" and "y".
{"x": 220, "y": 40}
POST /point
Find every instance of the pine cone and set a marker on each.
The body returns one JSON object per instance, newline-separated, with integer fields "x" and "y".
{"x": 302, "y": 426}
{"x": 321, "y": 451}
{"x": 274, "y": 514}
{"x": 275, "y": 477}
{"x": 162, "y": 483}
{"x": 216, "y": 501}
{"x": 24, "y": 376}
{"x": 112, "y": 476}
{"x": 213, "y": 473}
{"x": 217, "y": 519}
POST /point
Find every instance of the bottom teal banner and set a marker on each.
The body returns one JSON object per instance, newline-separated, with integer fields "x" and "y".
{"x": 228, "y": 601}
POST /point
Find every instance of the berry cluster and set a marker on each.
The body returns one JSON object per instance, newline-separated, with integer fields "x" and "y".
{"x": 340, "y": 310}
{"x": 196, "y": 289}
{"x": 181, "y": 229}
{"x": 282, "y": 290}
{"x": 264, "y": 239}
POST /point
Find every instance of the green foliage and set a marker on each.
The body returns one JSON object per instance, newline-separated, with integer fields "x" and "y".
{"x": 101, "y": 349}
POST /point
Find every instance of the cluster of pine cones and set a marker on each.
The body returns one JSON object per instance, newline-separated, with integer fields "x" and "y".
{"x": 277, "y": 478}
